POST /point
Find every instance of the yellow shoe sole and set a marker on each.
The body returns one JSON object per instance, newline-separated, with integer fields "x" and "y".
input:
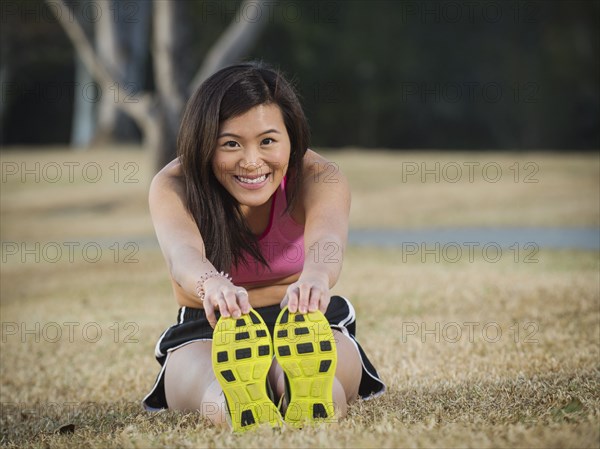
{"x": 306, "y": 350}
{"x": 242, "y": 354}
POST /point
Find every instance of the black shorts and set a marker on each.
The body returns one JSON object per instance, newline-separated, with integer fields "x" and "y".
{"x": 192, "y": 325}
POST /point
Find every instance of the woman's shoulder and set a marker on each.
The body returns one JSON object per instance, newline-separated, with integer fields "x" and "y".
{"x": 172, "y": 170}
{"x": 170, "y": 177}
{"x": 322, "y": 179}
{"x": 320, "y": 170}
{"x": 312, "y": 159}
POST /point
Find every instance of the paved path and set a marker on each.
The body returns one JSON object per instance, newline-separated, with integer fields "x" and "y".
{"x": 556, "y": 238}
{"x": 553, "y": 238}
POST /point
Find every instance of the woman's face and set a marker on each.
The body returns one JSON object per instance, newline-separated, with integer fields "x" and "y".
{"x": 252, "y": 154}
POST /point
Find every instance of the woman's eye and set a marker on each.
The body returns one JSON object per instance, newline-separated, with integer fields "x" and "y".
{"x": 267, "y": 141}
{"x": 230, "y": 144}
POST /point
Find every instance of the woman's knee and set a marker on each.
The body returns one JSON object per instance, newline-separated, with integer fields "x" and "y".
{"x": 276, "y": 379}
{"x": 213, "y": 404}
{"x": 187, "y": 380}
{"x": 349, "y": 367}
{"x": 340, "y": 402}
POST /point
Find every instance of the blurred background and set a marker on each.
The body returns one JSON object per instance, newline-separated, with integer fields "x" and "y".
{"x": 468, "y": 131}
{"x": 485, "y": 75}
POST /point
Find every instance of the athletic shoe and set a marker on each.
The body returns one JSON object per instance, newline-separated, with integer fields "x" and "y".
{"x": 305, "y": 349}
{"x": 242, "y": 354}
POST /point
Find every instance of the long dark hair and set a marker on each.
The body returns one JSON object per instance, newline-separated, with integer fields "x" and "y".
{"x": 228, "y": 93}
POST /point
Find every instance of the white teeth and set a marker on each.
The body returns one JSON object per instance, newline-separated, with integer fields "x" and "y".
{"x": 252, "y": 181}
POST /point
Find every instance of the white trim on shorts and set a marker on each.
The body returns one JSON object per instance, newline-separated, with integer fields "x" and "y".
{"x": 344, "y": 330}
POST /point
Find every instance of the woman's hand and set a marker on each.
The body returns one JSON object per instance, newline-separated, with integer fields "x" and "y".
{"x": 309, "y": 293}
{"x": 220, "y": 293}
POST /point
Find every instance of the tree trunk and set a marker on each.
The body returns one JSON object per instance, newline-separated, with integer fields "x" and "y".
{"x": 84, "y": 115}
{"x": 172, "y": 72}
{"x": 158, "y": 115}
{"x": 159, "y": 137}
{"x": 122, "y": 44}
{"x": 236, "y": 41}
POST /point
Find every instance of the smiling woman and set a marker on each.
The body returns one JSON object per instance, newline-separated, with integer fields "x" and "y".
{"x": 251, "y": 166}
{"x": 246, "y": 196}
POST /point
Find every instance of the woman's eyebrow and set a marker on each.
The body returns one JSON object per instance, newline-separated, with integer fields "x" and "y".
{"x": 272, "y": 130}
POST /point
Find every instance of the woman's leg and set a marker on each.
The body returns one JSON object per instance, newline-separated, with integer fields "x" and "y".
{"x": 347, "y": 374}
{"x": 190, "y": 383}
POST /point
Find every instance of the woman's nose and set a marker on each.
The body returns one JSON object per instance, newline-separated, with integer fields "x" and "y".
{"x": 251, "y": 160}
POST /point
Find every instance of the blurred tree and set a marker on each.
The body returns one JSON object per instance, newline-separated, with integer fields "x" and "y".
{"x": 123, "y": 46}
{"x": 516, "y": 74}
{"x": 157, "y": 114}
{"x": 84, "y": 118}
{"x": 36, "y": 69}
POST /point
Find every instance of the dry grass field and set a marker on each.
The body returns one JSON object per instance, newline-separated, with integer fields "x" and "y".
{"x": 474, "y": 353}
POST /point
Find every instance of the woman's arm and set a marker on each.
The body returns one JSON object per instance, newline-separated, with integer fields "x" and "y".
{"x": 183, "y": 248}
{"x": 326, "y": 199}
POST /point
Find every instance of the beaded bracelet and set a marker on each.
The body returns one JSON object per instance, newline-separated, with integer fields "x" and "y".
{"x": 205, "y": 277}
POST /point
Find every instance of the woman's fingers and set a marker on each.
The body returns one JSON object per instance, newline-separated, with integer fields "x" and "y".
{"x": 285, "y": 301}
{"x": 315, "y": 299}
{"x": 209, "y": 310}
{"x": 304, "y": 297}
{"x": 324, "y": 302}
{"x": 231, "y": 302}
{"x": 292, "y": 296}
{"x": 243, "y": 300}
{"x": 221, "y": 304}
{"x": 237, "y": 301}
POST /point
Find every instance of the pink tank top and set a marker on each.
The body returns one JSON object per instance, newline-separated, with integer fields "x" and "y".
{"x": 282, "y": 245}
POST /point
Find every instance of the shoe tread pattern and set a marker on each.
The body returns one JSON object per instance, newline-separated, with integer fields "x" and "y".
{"x": 305, "y": 349}
{"x": 241, "y": 356}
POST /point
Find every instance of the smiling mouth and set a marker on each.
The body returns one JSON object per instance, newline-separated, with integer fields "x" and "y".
{"x": 256, "y": 180}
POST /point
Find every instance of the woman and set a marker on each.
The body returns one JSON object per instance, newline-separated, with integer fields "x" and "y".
{"x": 246, "y": 197}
